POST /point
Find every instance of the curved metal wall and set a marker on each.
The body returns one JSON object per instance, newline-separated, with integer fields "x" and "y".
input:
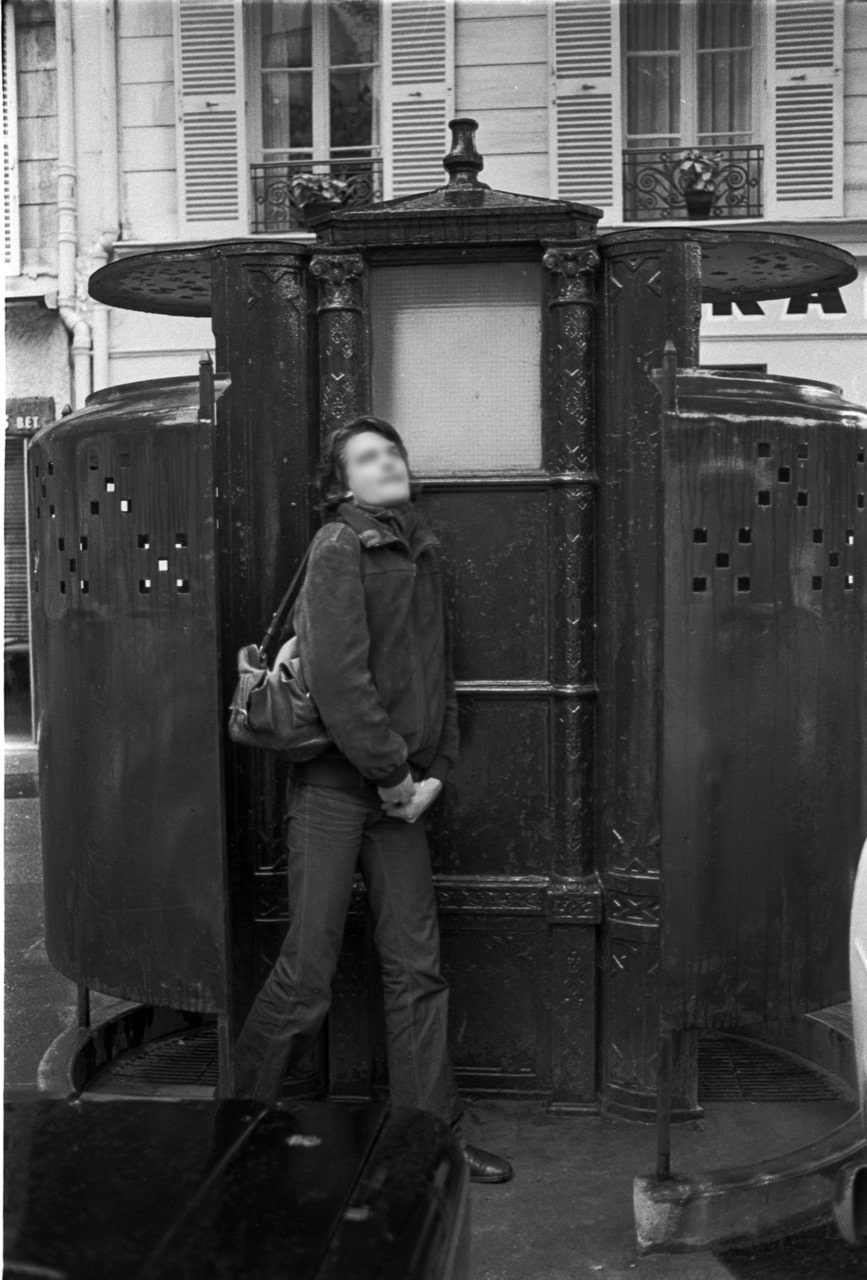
{"x": 763, "y": 756}
{"x": 126, "y": 659}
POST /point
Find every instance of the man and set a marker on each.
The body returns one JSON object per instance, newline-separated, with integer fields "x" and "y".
{"x": 375, "y": 653}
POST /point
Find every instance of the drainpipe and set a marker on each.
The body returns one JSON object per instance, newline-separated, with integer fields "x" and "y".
{"x": 106, "y": 240}
{"x": 67, "y": 299}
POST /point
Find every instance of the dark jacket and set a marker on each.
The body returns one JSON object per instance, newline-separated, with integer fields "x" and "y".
{"x": 375, "y": 650}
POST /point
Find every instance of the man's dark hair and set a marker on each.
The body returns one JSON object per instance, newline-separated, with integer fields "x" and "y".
{"x": 330, "y": 480}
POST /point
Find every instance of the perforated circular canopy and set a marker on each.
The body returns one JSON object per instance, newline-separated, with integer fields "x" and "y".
{"x": 171, "y": 282}
{"x": 735, "y": 264}
{"x": 753, "y": 264}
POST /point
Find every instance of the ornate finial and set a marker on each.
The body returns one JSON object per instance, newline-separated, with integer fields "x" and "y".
{"x": 463, "y": 162}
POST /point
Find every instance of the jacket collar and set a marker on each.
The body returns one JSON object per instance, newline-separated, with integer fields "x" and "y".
{"x": 373, "y": 534}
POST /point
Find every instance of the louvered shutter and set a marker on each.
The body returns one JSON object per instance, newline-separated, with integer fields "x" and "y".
{"x": 212, "y": 168}
{"x": 418, "y": 65}
{"x": 11, "y": 237}
{"x": 15, "y": 543}
{"x": 807, "y": 144}
{"x": 585, "y": 144}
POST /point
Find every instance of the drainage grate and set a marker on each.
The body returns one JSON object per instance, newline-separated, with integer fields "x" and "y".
{"x": 185, "y": 1059}
{"x": 734, "y": 1070}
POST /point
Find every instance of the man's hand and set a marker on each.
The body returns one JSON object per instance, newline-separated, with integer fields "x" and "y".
{"x": 400, "y": 794}
{"x": 426, "y": 792}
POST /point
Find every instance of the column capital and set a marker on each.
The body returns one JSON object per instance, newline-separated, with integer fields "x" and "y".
{"x": 573, "y": 267}
{"x": 337, "y": 274}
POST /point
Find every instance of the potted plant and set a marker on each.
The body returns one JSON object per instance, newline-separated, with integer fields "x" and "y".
{"x": 697, "y": 175}
{"x": 315, "y": 194}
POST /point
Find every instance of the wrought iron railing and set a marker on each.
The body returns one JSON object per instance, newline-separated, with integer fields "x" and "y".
{"x": 283, "y": 200}
{"x": 653, "y": 186}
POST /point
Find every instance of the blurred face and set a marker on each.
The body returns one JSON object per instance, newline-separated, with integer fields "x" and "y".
{"x": 375, "y": 471}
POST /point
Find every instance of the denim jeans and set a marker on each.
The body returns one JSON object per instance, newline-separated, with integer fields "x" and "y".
{"x": 330, "y": 829}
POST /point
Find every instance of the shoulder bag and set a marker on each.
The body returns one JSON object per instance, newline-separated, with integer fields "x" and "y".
{"x": 272, "y": 707}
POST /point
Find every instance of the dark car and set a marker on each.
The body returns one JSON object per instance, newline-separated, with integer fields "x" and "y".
{"x": 98, "y": 1189}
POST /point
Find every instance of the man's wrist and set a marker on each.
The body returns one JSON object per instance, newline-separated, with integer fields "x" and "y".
{"x": 439, "y": 768}
{"x": 395, "y": 778}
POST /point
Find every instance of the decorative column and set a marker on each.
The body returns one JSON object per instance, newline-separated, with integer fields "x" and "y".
{"x": 651, "y": 293}
{"x": 569, "y": 458}
{"x": 355, "y": 1032}
{"x": 344, "y": 333}
{"x": 266, "y": 446}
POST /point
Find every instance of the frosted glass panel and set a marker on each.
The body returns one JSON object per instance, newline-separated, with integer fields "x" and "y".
{"x": 456, "y": 363}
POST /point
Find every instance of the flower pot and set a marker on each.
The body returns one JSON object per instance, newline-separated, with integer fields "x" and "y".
{"x": 316, "y": 209}
{"x": 698, "y": 203}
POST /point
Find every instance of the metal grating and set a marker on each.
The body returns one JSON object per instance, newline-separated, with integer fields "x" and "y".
{"x": 185, "y": 1063}
{"x": 729, "y": 1070}
{"x": 735, "y": 1070}
{"x": 181, "y": 1060}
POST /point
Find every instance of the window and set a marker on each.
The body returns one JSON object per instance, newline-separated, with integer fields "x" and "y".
{"x": 689, "y": 73}
{"x": 689, "y": 77}
{"x": 319, "y": 77}
{"x": 318, "y": 72}
{"x": 638, "y": 82}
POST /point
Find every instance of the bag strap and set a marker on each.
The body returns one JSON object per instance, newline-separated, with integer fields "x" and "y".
{"x": 282, "y": 606}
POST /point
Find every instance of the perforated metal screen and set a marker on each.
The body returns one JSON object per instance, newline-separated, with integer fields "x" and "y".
{"x": 131, "y": 718}
{"x": 764, "y": 702}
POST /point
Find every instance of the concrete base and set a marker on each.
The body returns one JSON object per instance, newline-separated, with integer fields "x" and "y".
{"x": 748, "y": 1202}
{"x": 769, "y": 1198}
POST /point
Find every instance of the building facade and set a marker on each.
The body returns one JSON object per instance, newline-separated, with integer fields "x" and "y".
{"x": 136, "y": 124}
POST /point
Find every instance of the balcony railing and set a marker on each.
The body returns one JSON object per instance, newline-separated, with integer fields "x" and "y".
{"x": 280, "y": 201}
{"x": 653, "y": 187}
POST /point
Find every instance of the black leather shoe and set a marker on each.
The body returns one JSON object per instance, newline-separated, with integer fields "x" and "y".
{"x": 485, "y": 1167}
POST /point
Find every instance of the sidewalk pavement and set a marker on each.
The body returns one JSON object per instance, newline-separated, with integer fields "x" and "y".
{"x": 568, "y": 1211}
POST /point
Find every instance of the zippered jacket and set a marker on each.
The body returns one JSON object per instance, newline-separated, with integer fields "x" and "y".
{"x": 375, "y": 651}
